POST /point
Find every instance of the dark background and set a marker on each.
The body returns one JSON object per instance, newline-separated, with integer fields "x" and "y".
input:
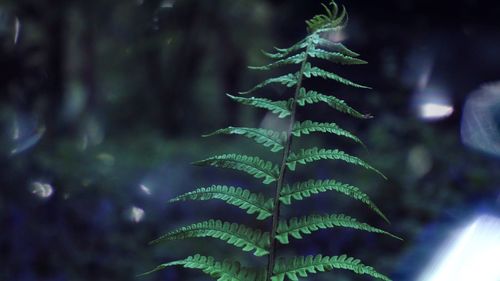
{"x": 101, "y": 97}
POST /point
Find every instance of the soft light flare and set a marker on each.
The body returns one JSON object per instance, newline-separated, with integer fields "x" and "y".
{"x": 136, "y": 214}
{"x": 472, "y": 254}
{"x": 434, "y": 111}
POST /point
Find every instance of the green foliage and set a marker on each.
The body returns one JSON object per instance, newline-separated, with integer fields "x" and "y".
{"x": 288, "y": 80}
{"x": 312, "y": 97}
{"x": 305, "y": 156}
{"x": 303, "y": 266}
{"x": 330, "y": 20}
{"x": 301, "y": 190}
{"x": 235, "y": 234}
{"x": 236, "y": 196}
{"x": 308, "y": 126}
{"x": 314, "y": 71}
{"x": 335, "y": 57}
{"x": 282, "y": 108}
{"x": 295, "y": 227}
{"x": 315, "y": 47}
{"x": 267, "y": 138}
{"x": 227, "y": 270}
{"x": 249, "y": 164}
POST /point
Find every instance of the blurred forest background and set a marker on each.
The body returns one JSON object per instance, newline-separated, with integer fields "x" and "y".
{"x": 102, "y": 104}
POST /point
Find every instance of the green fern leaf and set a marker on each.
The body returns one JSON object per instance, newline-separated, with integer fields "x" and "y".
{"x": 284, "y": 52}
{"x": 288, "y": 80}
{"x": 267, "y": 138}
{"x": 310, "y": 71}
{"x": 309, "y": 126}
{"x": 314, "y": 154}
{"x": 333, "y": 46}
{"x": 295, "y": 267}
{"x": 282, "y": 108}
{"x": 330, "y": 20}
{"x": 295, "y": 227}
{"x": 236, "y": 196}
{"x": 335, "y": 57}
{"x": 311, "y": 97}
{"x": 248, "y": 164}
{"x": 234, "y": 234}
{"x": 301, "y": 190}
{"x": 295, "y": 59}
{"x": 314, "y": 41}
{"x": 221, "y": 271}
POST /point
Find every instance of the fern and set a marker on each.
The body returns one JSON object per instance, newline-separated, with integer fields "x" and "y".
{"x": 249, "y": 164}
{"x": 288, "y": 80}
{"x": 303, "y": 266}
{"x": 295, "y": 227}
{"x": 312, "y": 97}
{"x": 303, "y": 54}
{"x": 282, "y": 108}
{"x": 227, "y": 270}
{"x": 267, "y": 138}
{"x": 302, "y": 190}
{"x": 308, "y": 126}
{"x": 314, "y": 154}
{"x": 236, "y": 196}
{"x": 334, "y": 57}
{"x": 314, "y": 71}
{"x": 234, "y": 234}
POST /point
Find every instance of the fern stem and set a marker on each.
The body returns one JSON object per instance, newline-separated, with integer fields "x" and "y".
{"x": 281, "y": 178}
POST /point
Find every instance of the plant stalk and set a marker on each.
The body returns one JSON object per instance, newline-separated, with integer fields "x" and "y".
{"x": 281, "y": 179}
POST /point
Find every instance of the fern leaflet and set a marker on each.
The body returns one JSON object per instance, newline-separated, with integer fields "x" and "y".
{"x": 221, "y": 271}
{"x": 311, "y": 97}
{"x": 288, "y": 80}
{"x": 236, "y": 196}
{"x": 314, "y": 71}
{"x": 282, "y": 108}
{"x": 309, "y": 126}
{"x": 234, "y": 234}
{"x": 314, "y": 154}
{"x": 333, "y": 46}
{"x": 296, "y": 267}
{"x": 267, "y": 138}
{"x": 249, "y": 164}
{"x": 334, "y": 57}
{"x": 295, "y": 227}
{"x": 301, "y": 190}
{"x": 296, "y": 59}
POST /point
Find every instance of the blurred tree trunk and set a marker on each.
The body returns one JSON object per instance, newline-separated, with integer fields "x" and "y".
{"x": 54, "y": 28}
{"x": 88, "y": 68}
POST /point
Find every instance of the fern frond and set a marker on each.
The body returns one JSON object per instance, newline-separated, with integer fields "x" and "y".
{"x": 284, "y": 52}
{"x": 314, "y": 154}
{"x": 234, "y": 234}
{"x": 221, "y": 271}
{"x": 308, "y": 126}
{"x": 267, "y": 138}
{"x": 295, "y": 59}
{"x": 334, "y": 57}
{"x": 295, "y": 267}
{"x": 252, "y": 165}
{"x": 311, "y": 97}
{"x": 282, "y": 108}
{"x": 313, "y": 71}
{"x": 330, "y": 20}
{"x": 250, "y": 202}
{"x": 301, "y": 190}
{"x": 296, "y": 227}
{"x": 288, "y": 80}
{"x": 333, "y": 46}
